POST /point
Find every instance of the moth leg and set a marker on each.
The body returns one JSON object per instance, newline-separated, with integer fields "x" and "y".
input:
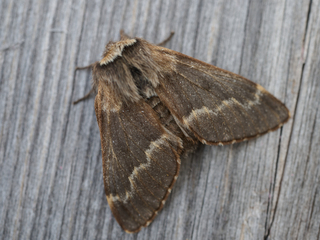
{"x": 166, "y": 40}
{"x": 85, "y": 67}
{"x": 84, "y": 97}
{"x": 91, "y": 91}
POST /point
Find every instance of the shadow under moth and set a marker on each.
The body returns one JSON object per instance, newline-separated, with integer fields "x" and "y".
{"x": 154, "y": 104}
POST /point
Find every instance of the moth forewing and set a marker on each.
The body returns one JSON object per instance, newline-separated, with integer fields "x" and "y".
{"x": 218, "y": 106}
{"x": 154, "y": 104}
{"x": 140, "y": 156}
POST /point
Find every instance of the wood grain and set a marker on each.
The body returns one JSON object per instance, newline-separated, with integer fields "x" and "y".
{"x": 50, "y": 158}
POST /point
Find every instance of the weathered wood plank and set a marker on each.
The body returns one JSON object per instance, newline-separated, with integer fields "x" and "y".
{"x": 298, "y": 205}
{"x": 50, "y": 158}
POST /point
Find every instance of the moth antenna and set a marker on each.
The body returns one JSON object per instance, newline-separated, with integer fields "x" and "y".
{"x": 166, "y": 40}
{"x": 123, "y": 35}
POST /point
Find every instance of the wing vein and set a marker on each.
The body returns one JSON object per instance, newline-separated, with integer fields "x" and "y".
{"x": 135, "y": 208}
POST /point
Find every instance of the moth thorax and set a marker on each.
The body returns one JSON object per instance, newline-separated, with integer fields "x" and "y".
{"x": 144, "y": 85}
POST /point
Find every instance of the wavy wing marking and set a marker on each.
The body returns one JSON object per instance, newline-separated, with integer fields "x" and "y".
{"x": 140, "y": 161}
{"x": 219, "y": 107}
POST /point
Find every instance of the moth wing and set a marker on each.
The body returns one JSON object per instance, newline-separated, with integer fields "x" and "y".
{"x": 217, "y": 106}
{"x": 140, "y": 160}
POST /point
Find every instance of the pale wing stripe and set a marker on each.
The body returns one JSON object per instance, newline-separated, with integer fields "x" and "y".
{"x": 143, "y": 150}
{"x": 116, "y": 199}
{"x": 167, "y": 131}
{"x": 218, "y": 107}
{"x": 120, "y": 202}
{"x": 258, "y": 88}
{"x": 222, "y": 101}
{"x": 128, "y": 195}
{"x": 234, "y": 90}
{"x": 136, "y": 158}
{"x": 249, "y": 102}
{"x": 131, "y": 190}
{"x": 222, "y": 105}
{"x": 137, "y": 128}
{"x": 130, "y": 174}
{"x": 206, "y": 109}
{"x": 142, "y": 183}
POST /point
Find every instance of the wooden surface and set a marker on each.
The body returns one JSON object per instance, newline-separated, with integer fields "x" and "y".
{"x": 50, "y": 157}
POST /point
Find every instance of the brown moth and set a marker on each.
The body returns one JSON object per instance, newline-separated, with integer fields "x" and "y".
{"x": 154, "y": 104}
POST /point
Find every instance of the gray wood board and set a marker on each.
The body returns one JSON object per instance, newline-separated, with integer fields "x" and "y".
{"x": 50, "y": 155}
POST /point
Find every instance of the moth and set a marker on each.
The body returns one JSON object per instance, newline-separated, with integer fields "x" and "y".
{"x": 154, "y": 104}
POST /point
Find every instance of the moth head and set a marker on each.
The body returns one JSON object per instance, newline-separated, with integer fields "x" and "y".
{"x": 114, "y": 50}
{"x": 128, "y": 70}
